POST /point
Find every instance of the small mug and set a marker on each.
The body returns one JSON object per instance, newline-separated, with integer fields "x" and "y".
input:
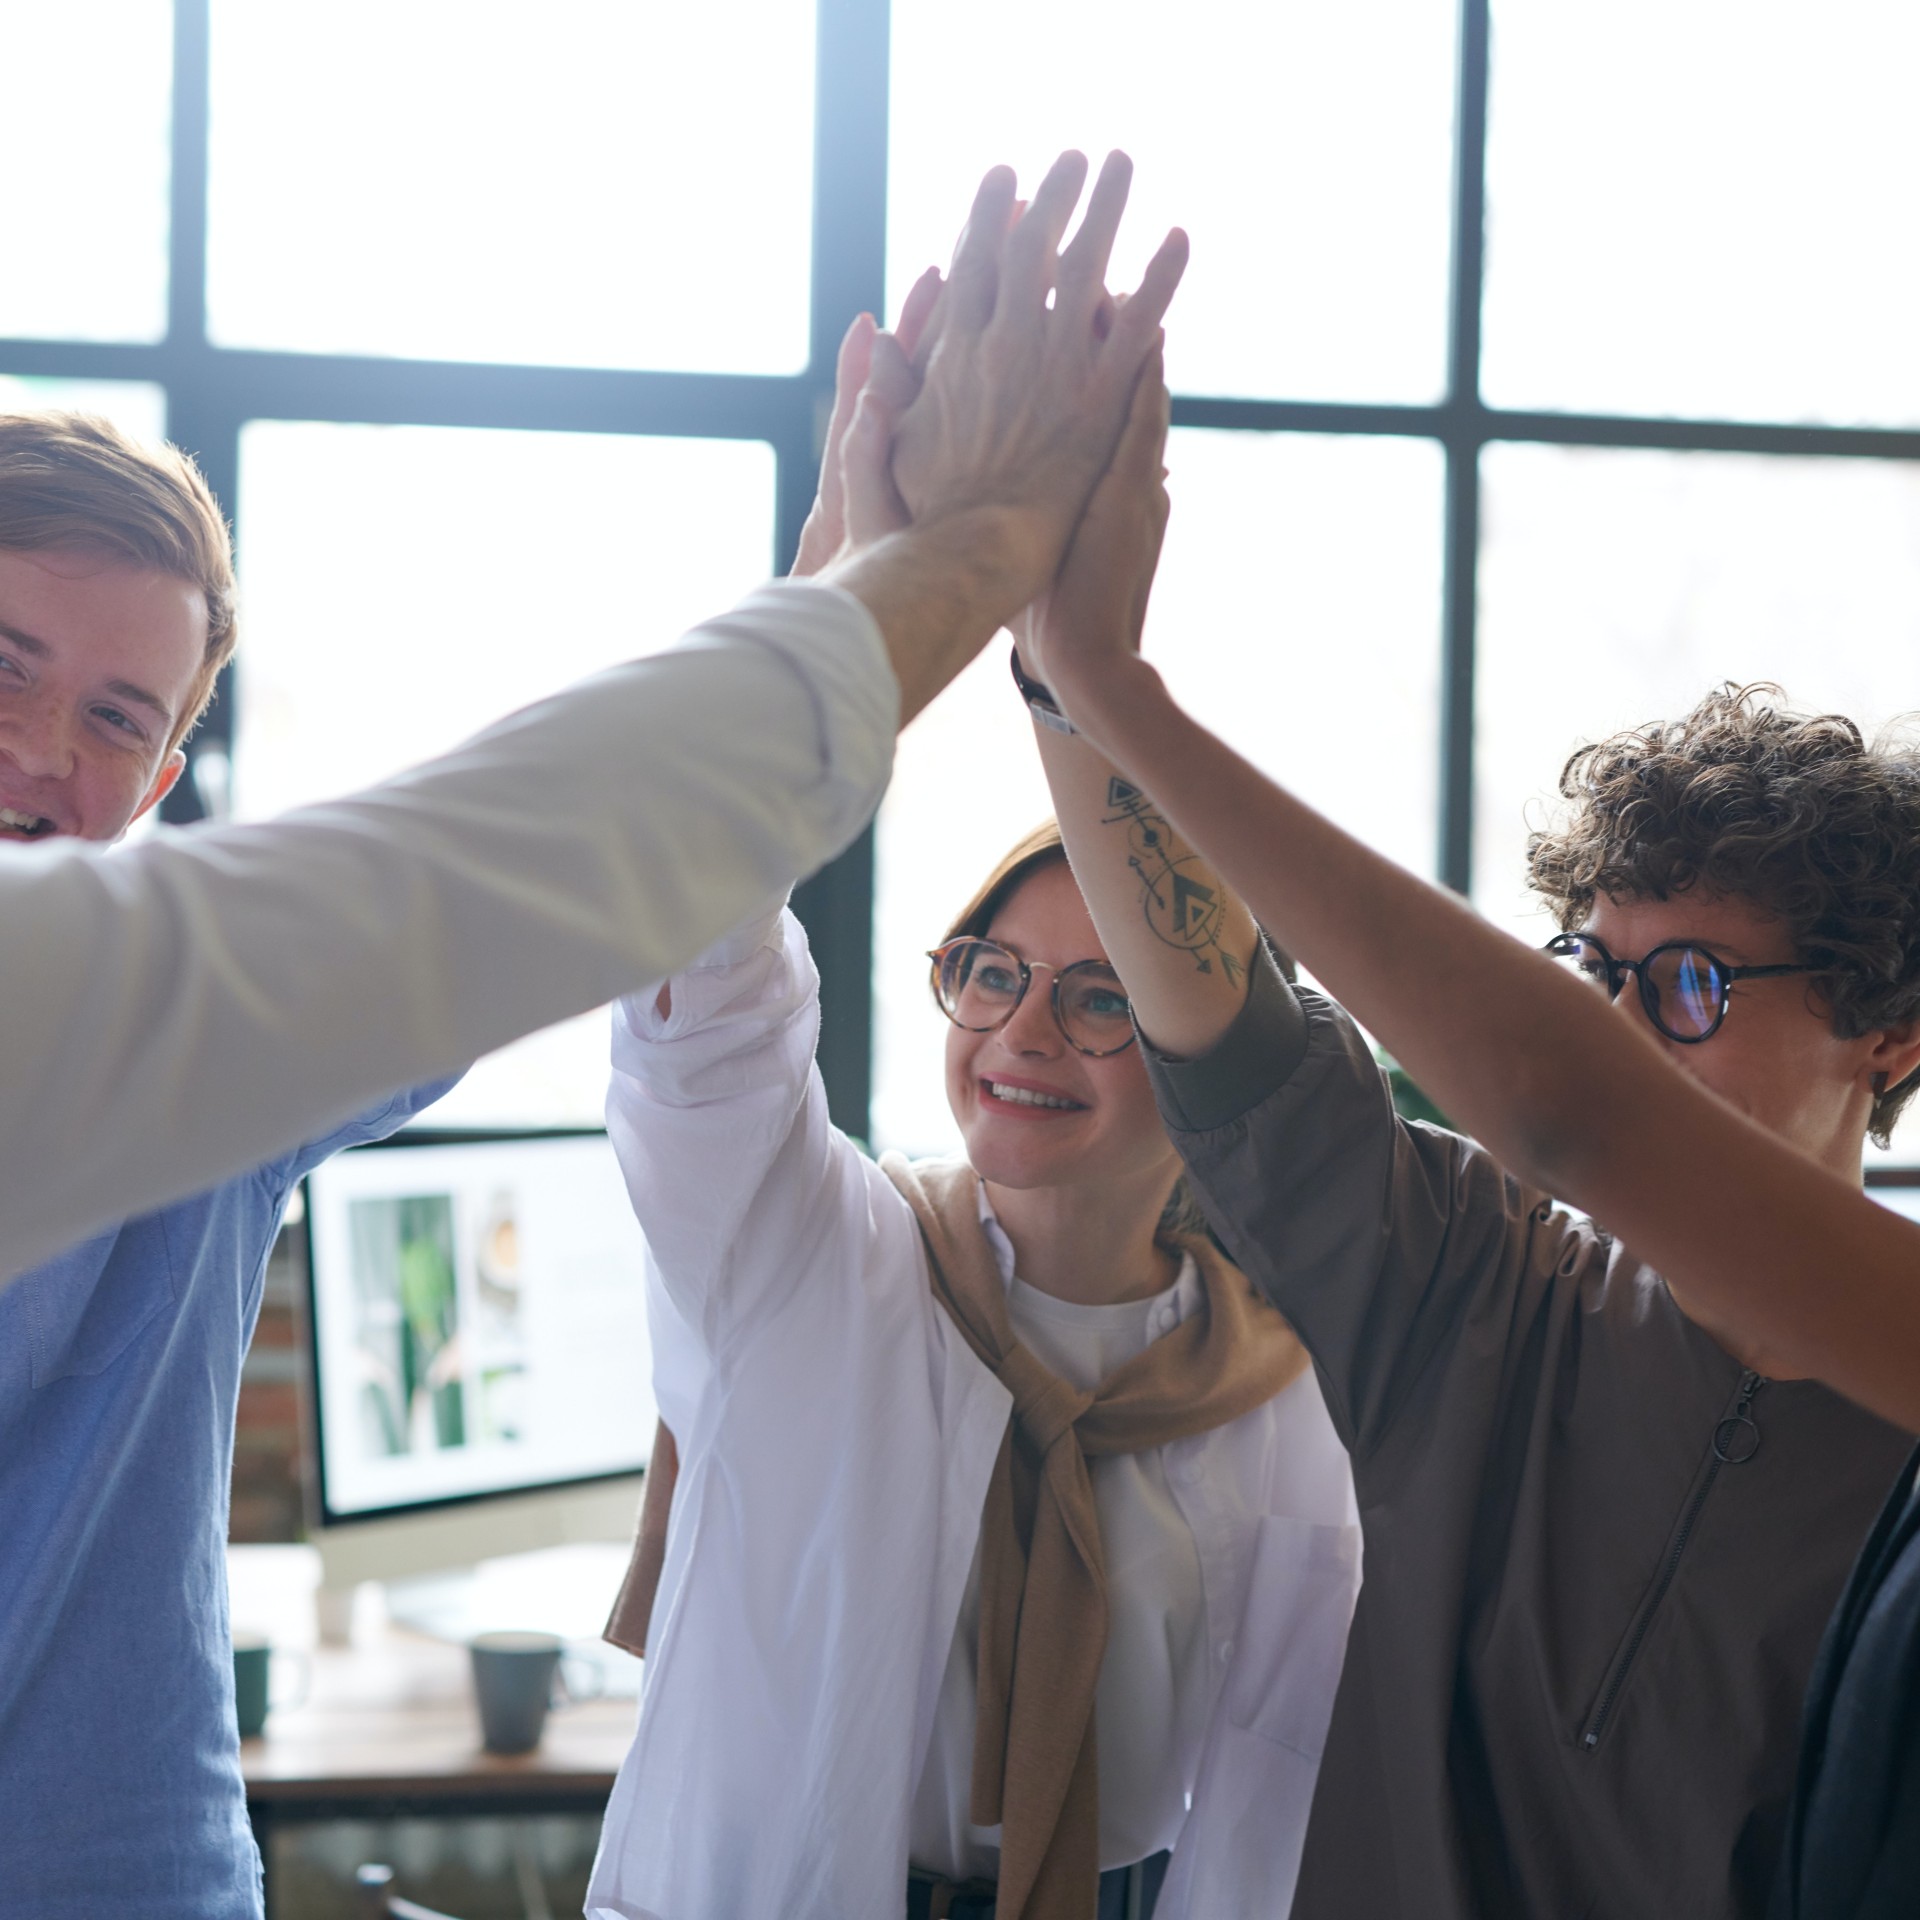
{"x": 515, "y": 1679}
{"x": 252, "y": 1691}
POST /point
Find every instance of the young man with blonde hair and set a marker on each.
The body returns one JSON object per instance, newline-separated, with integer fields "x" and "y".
{"x": 98, "y": 531}
{"x": 120, "y": 1358}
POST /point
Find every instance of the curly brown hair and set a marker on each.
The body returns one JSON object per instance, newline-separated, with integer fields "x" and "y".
{"x": 1795, "y": 813}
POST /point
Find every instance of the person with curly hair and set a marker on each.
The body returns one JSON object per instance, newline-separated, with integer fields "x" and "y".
{"x": 1609, "y": 1492}
{"x": 1789, "y": 821}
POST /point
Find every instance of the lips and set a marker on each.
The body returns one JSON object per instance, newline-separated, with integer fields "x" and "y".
{"x": 1024, "y": 1098}
{"x": 16, "y": 823}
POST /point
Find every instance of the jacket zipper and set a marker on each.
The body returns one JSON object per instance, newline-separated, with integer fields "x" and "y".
{"x": 1736, "y": 1439}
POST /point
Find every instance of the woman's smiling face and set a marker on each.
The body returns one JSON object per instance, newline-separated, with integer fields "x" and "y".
{"x": 1034, "y": 1111}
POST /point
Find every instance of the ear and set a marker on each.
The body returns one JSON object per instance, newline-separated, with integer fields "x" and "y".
{"x": 1893, "y": 1055}
{"x": 164, "y": 782}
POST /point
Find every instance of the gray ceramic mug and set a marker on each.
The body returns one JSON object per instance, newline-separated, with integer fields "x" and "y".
{"x": 251, "y": 1655}
{"x": 515, "y": 1676}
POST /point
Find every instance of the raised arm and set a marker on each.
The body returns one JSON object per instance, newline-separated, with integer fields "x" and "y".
{"x": 1178, "y": 936}
{"x": 1768, "y": 1249}
{"x": 178, "y": 1012}
{"x": 175, "y": 1013}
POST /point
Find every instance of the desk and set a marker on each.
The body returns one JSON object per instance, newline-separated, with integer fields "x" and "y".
{"x": 389, "y": 1728}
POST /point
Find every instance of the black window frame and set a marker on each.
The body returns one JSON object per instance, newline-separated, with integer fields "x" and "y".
{"x": 211, "y": 392}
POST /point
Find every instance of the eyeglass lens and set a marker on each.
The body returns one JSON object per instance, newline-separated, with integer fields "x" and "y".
{"x": 1683, "y": 988}
{"x": 1688, "y": 991}
{"x": 979, "y": 985}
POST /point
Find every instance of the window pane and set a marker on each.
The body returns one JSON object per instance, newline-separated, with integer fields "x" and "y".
{"x": 1306, "y": 149}
{"x": 1297, "y": 613}
{"x": 585, "y": 183}
{"x": 135, "y": 405}
{"x": 1702, "y": 210}
{"x": 1618, "y": 587}
{"x": 83, "y": 149}
{"x": 403, "y": 586}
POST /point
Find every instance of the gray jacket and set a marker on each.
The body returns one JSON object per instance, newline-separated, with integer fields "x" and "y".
{"x": 1599, "y": 1555}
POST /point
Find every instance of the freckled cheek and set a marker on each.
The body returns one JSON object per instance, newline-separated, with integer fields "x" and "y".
{"x": 1126, "y": 1096}
{"x": 106, "y": 795}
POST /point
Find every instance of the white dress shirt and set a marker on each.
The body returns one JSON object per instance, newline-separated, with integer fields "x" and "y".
{"x": 176, "y": 1012}
{"x": 836, "y": 1435}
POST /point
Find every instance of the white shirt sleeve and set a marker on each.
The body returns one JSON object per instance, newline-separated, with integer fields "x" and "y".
{"x": 720, "y": 1123}
{"x": 177, "y": 1012}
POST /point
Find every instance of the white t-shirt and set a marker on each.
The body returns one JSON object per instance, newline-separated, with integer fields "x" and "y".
{"x": 1157, "y": 1686}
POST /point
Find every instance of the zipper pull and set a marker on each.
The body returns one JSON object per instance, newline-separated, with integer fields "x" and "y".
{"x": 1737, "y": 1439}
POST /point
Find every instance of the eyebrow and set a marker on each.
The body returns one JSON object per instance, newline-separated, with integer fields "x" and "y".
{"x": 1730, "y": 951}
{"x": 25, "y": 641}
{"x": 126, "y": 690}
{"x": 140, "y": 697}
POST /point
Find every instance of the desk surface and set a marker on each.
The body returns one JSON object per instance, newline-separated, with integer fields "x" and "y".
{"x": 395, "y": 1715}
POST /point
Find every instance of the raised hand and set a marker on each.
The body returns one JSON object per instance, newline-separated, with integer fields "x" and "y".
{"x": 876, "y": 368}
{"x": 1097, "y": 606}
{"x": 1025, "y": 391}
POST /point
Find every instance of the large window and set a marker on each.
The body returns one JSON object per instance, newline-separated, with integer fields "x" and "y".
{"x": 1537, "y": 367}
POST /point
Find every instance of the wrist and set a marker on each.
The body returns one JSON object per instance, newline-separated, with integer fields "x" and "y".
{"x": 973, "y": 566}
{"x": 1003, "y": 555}
{"x": 1112, "y": 700}
{"x": 939, "y": 590}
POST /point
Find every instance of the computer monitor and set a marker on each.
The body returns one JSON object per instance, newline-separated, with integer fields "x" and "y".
{"x": 482, "y": 1374}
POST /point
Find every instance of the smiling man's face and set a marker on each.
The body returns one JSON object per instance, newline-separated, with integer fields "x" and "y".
{"x": 98, "y": 663}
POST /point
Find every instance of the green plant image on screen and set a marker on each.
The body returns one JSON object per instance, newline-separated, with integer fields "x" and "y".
{"x": 407, "y": 1337}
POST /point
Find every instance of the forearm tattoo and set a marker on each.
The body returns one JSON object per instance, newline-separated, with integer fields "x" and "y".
{"x": 1182, "y": 910}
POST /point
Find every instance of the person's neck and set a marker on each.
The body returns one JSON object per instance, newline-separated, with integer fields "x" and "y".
{"x": 1091, "y": 1245}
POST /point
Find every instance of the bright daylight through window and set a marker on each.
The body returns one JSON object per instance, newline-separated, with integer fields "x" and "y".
{"x": 1526, "y": 379}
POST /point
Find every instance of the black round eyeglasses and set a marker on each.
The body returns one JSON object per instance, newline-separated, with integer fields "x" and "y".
{"x": 1684, "y": 986}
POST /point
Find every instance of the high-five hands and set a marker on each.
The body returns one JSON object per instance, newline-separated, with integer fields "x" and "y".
{"x": 1024, "y": 393}
{"x": 1096, "y": 608}
{"x": 964, "y": 448}
{"x": 874, "y": 383}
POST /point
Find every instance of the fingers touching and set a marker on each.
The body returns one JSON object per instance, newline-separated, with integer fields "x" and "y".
{"x": 1136, "y": 322}
{"x": 1032, "y": 371}
{"x": 1083, "y": 267}
{"x": 1033, "y": 246}
{"x": 975, "y": 278}
{"x": 917, "y": 312}
{"x": 873, "y": 505}
{"x": 1009, "y": 261}
{"x": 849, "y": 376}
{"x": 825, "y": 529}
{"x": 891, "y": 378}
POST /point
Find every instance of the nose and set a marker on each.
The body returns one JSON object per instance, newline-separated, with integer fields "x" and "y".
{"x": 1632, "y": 1008}
{"x": 1032, "y": 1028}
{"x": 36, "y": 737}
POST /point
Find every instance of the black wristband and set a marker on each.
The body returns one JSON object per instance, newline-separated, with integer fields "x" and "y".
{"x": 1045, "y": 708}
